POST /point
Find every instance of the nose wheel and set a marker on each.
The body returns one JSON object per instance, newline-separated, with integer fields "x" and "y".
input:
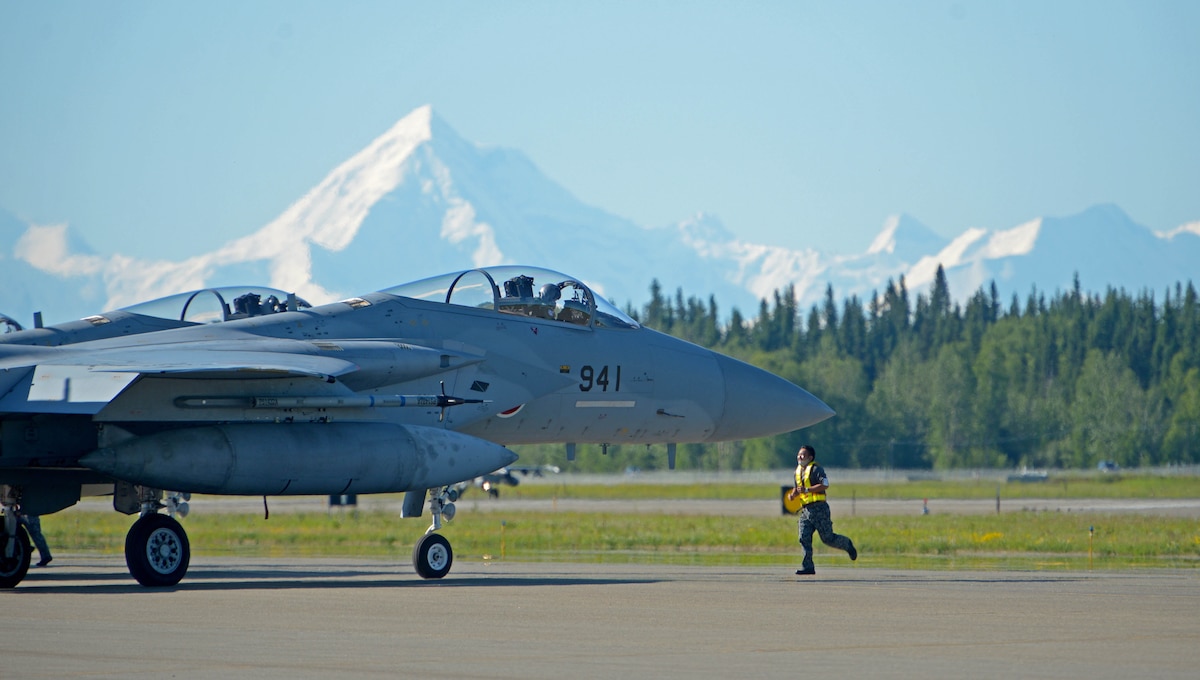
{"x": 432, "y": 556}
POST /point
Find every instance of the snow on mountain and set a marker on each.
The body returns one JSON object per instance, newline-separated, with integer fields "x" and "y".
{"x": 1189, "y": 228}
{"x": 1101, "y": 244}
{"x": 39, "y": 263}
{"x": 905, "y": 238}
{"x": 419, "y": 201}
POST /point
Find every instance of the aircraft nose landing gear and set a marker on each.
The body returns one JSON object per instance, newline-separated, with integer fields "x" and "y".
{"x": 432, "y": 555}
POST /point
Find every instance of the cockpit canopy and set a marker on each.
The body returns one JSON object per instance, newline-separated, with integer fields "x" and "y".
{"x": 8, "y": 324}
{"x": 213, "y": 305}
{"x": 521, "y": 291}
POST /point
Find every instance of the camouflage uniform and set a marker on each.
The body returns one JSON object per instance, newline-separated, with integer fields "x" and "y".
{"x": 816, "y": 517}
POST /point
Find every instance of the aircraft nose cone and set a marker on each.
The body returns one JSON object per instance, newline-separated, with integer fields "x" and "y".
{"x": 759, "y": 403}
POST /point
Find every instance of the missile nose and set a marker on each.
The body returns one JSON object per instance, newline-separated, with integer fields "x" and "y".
{"x": 759, "y": 403}
{"x": 509, "y": 459}
{"x": 102, "y": 460}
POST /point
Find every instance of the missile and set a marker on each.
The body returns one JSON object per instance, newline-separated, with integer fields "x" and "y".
{"x": 276, "y": 459}
{"x": 323, "y": 402}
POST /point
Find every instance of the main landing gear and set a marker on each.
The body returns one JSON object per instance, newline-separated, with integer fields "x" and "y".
{"x": 15, "y": 552}
{"x": 157, "y": 551}
{"x": 432, "y": 555}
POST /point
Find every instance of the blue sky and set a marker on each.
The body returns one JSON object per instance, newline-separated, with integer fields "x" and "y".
{"x": 159, "y": 128}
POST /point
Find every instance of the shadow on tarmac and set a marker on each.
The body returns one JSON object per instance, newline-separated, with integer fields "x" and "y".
{"x": 250, "y": 578}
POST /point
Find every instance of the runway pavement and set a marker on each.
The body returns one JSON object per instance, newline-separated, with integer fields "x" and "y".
{"x": 84, "y": 617}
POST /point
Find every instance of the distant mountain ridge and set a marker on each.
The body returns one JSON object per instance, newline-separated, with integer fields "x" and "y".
{"x": 419, "y": 200}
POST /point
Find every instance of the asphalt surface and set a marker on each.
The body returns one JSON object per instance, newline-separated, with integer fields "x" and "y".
{"x": 307, "y": 618}
{"x": 84, "y": 616}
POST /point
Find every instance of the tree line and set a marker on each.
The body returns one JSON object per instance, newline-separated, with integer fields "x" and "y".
{"x": 1063, "y": 381}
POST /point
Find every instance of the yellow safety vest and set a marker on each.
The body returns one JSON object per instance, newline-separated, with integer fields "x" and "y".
{"x": 802, "y": 474}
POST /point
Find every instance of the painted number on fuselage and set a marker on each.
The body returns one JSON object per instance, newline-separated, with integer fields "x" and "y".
{"x": 590, "y": 379}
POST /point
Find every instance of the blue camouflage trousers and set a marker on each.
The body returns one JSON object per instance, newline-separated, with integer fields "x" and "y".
{"x": 816, "y": 517}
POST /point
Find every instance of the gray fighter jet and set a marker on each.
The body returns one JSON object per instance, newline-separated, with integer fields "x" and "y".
{"x": 505, "y": 476}
{"x": 411, "y": 389}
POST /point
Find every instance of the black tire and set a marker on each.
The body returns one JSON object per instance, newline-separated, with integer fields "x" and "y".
{"x": 157, "y": 551}
{"x": 13, "y": 569}
{"x": 432, "y": 556}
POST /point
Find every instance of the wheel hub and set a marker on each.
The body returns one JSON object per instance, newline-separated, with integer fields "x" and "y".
{"x": 164, "y": 551}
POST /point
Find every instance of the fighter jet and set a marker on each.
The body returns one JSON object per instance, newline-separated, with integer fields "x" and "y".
{"x": 505, "y": 476}
{"x": 410, "y": 389}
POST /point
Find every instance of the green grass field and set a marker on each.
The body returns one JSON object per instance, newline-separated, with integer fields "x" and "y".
{"x": 1020, "y": 540}
{"x": 1091, "y": 486}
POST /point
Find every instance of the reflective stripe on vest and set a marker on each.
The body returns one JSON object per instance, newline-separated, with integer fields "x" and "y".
{"x": 802, "y": 474}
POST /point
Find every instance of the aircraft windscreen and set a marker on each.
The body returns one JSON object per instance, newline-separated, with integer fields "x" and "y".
{"x": 473, "y": 289}
{"x": 213, "y": 305}
{"x": 522, "y": 291}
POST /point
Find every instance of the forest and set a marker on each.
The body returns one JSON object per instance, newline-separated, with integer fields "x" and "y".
{"x": 1045, "y": 382}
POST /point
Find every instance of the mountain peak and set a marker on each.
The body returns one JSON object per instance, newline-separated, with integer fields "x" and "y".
{"x": 420, "y": 200}
{"x": 331, "y": 212}
{"x": 905, "y": 238}
{"x": 704, "y": 228}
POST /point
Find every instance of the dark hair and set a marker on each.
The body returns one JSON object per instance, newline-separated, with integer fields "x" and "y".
{"x": 810, "y": 450}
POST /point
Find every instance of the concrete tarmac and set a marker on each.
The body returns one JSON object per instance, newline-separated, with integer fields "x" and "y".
{"x": 84, "y": 617}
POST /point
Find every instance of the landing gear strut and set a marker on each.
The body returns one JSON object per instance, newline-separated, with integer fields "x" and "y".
{"x": 432, "y": 555}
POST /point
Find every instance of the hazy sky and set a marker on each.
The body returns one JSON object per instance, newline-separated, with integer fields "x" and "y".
{"x": 157, "y": 128}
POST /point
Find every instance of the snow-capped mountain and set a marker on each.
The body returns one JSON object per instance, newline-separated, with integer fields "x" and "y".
{"x": 419, "y": 201}
{"x": 1102, "y": 244}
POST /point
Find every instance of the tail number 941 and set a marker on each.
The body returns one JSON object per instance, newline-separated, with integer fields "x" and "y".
{"x": 590, "y": 379}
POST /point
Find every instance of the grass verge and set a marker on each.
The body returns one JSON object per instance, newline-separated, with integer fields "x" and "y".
{"x": 1099, "y": 486}
{"x": 1024, "y": 540}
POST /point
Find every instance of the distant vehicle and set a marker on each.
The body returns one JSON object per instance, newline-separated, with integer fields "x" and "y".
{"x": 1026, "y": 475}
{"x": 1108, "y": 466}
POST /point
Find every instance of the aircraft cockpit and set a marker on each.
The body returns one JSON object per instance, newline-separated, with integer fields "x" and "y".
{"x": 521, "y": 291}
{"x": 210, "y": 305}
{"x": 215, "y": 305}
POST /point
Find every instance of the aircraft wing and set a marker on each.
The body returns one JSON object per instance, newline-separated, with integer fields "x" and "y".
{"x": 199, "y": 363}
{"x": 82, "y": 379}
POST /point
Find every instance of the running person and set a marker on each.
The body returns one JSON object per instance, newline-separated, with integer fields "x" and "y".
{"x": 811, "y": 484}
